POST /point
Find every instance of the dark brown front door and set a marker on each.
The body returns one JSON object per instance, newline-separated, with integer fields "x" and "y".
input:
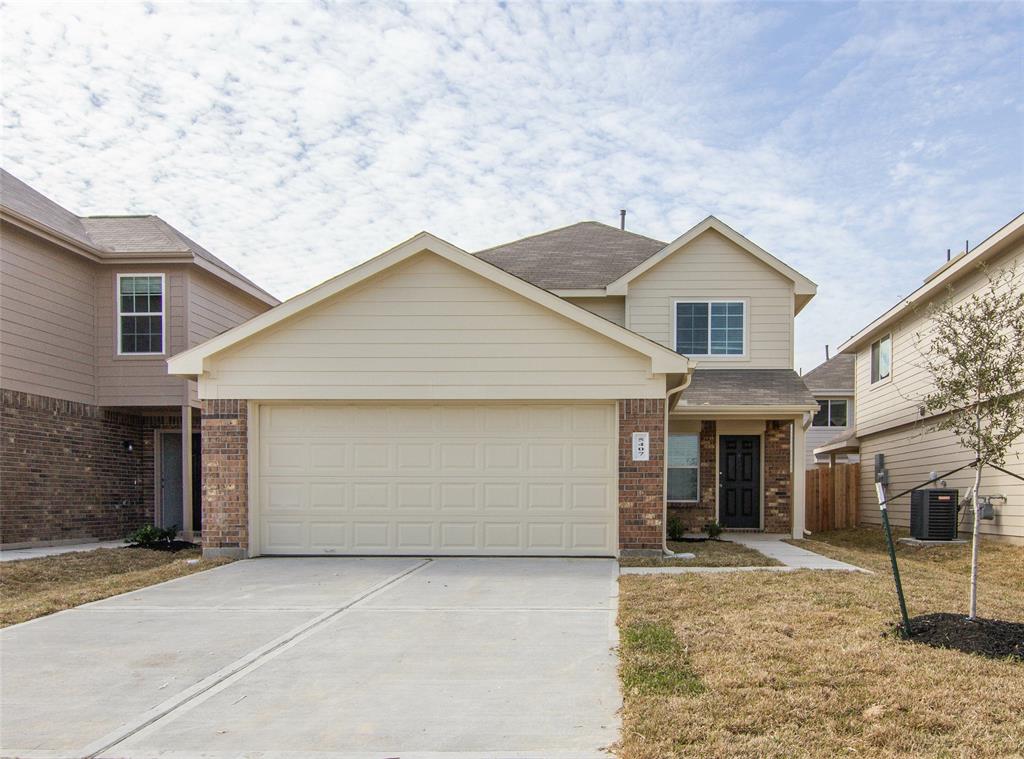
{"x": 739, "y": 489}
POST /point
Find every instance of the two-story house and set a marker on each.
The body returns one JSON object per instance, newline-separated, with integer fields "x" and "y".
{"x": 91, "y": 444}
{"x": 557, "y": 395}
{"x": 892, "y": 382}
{"x": 832, "y": 427}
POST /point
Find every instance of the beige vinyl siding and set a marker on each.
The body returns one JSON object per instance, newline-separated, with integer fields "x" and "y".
{"x": 912, "y": 452}
{"x": 139, "y": 380}
{"x": 818, "y": 436}
{"x": 897, "y": 400}
{"x": 46, "y": 330}
{"x": 711, "y": 266}
{"x": 429, "y": 329}
{"x": 612, "y": 308}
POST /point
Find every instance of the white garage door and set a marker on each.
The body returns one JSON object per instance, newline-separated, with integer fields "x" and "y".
{"x": 439, "y": 479}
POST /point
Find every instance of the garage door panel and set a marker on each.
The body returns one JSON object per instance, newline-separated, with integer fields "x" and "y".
{"x": 535, "y": 479}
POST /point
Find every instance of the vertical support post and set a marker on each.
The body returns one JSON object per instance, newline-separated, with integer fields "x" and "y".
{"x": 186, "y": 472}
{"x": 799, "y": 478}
{"x": 884, "y": 507}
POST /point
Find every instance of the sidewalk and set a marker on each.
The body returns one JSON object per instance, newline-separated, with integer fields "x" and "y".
{"x": 774, "y": 547}
{"x": 17, "y": 554}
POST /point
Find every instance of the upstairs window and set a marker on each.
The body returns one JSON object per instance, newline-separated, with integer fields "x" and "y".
{"x": 831, "y": 413}
{"x": 881, "y": 359}
{"x": 683, "y": 462}
{"x": 140, "y": 314}
{"x": 711, "y": 328}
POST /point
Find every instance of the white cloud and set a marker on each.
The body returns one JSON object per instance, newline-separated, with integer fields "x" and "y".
{"x": 295, "y": 140}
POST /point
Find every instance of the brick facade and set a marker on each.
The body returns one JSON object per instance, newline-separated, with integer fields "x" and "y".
{"x": 225, "y": 477}
{"x": 65, "y": 474}
{"x": 641, "y": 483}
{"x": 778, "y": 482}
{"x": 691, "y": 517}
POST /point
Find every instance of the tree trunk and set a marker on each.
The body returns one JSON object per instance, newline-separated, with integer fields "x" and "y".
{"x": 974, "y": 546}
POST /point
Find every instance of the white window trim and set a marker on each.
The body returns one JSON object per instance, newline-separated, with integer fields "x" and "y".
{"x": 892, "y": 356}
{"x": 163, "y": 311}
{"x": 667, "y": 467}
{"x": 713, "y": 356}
{"x": 829, "y": 425}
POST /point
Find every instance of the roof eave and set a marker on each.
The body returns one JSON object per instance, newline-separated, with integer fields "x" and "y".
{"x": 760, "y": 410}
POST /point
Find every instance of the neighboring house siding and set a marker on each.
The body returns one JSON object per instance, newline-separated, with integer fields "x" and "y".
{"x": 429, "y": 329}
{"x": 818, "y": 436}
{"x": 711, "y": 266}
{"x": 897, "y": 400}
{"x": 912, "y": 453}
{"x": 139, "y": 380}
{"x": 612, "y": 308}
{"x": 47, "y": 339}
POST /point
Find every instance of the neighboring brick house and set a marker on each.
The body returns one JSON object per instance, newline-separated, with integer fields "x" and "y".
{"x": 90, "y": 424}
{"x": 833, "y": 423}
{"x": 559, "y": 395}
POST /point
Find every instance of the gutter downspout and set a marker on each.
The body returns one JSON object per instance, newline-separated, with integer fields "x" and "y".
{"x": 664, "y": 515}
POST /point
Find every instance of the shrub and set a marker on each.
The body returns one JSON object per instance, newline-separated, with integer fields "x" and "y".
{"x": 151, "y": 535}
{"x": 713, "y": 529}
{"x": 676, "y": 531}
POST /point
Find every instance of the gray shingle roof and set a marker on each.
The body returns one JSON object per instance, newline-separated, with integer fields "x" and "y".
{"x": 108, "y": 236}
{"x": 24, "y": 201}
{"x": 746, "y": 387}
{"x": 581, "y": 256}
{"x": 835, "y": 374}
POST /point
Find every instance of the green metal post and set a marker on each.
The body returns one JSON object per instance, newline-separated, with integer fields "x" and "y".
{"x": 884, "y": 506}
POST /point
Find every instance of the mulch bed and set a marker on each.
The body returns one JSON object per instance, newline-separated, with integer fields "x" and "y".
{"x": 994, "y": 638}
{"x": 172, "y": 546}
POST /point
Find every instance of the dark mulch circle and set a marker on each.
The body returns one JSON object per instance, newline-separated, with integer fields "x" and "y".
{"x": 172, "y": 546}
{"x": 994, "y": 638}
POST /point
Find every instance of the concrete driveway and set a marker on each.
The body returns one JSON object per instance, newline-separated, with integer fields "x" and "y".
{"x": 325, "y": 657}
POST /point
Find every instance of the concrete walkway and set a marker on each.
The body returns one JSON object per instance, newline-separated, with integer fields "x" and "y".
{"x": 775, "y": 547}
{"x": 35, "y": 552}
{"x": 327, "y": 658}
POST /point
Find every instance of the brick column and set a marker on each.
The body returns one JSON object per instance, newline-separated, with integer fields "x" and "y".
{"x": 225, "y": 478}
{"x": 641, "y": 483}
{"x": 778, "y": 483}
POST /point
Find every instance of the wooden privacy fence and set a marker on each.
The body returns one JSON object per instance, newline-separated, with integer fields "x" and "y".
{"x": 832, "y": 496}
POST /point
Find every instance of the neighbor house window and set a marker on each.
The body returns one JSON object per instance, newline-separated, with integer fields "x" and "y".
{"x": 710, "y": 328}
{"x": 683, "y": 461}
{"x": 140, "y": 314}
{"x": 831, "y": 413}
{"x": 881, "y": 359}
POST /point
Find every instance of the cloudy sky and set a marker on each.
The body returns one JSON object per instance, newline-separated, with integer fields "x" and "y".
{"x": 855, "y": 142}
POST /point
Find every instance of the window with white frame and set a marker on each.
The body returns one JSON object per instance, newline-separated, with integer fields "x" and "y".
{"x": 831, "y": 413}
{"x": 881, "y": 359}
{"x": 710, "y": 328}
{"x": 683, "y": 466}
{"x": 140, "y": 314}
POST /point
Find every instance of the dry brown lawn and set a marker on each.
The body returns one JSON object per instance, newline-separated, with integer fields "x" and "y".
{"x": 710, "y": 553}
{"x": 34, "y": 587}
{"x": 797, "y": 664}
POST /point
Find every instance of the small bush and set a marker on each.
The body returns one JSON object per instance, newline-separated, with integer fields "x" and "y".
{"x": 713, "y": 529}
{"x": 676, "y": 531}
{"x": 151, "y": 535}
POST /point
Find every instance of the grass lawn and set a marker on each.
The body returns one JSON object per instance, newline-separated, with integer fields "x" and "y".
{"x": 796, "y": 664}
{"x": 34, "y": 587}
{"x": 711, "y": 553}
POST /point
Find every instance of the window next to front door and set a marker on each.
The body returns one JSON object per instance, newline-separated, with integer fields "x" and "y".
{"x": 141, "y": 312}
{"x": 683, "y": 463}
{"x": 711, "y": 328}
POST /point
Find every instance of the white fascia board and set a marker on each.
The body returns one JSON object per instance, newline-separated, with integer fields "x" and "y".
{"x": 991, "y": 245}
{"x": 191, "y": 362}
{"x": 802, "y": 286}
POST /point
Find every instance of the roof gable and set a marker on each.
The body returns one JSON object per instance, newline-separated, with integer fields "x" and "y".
{"x": 192, "y": 362}
{"x": 804, "y": 288}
